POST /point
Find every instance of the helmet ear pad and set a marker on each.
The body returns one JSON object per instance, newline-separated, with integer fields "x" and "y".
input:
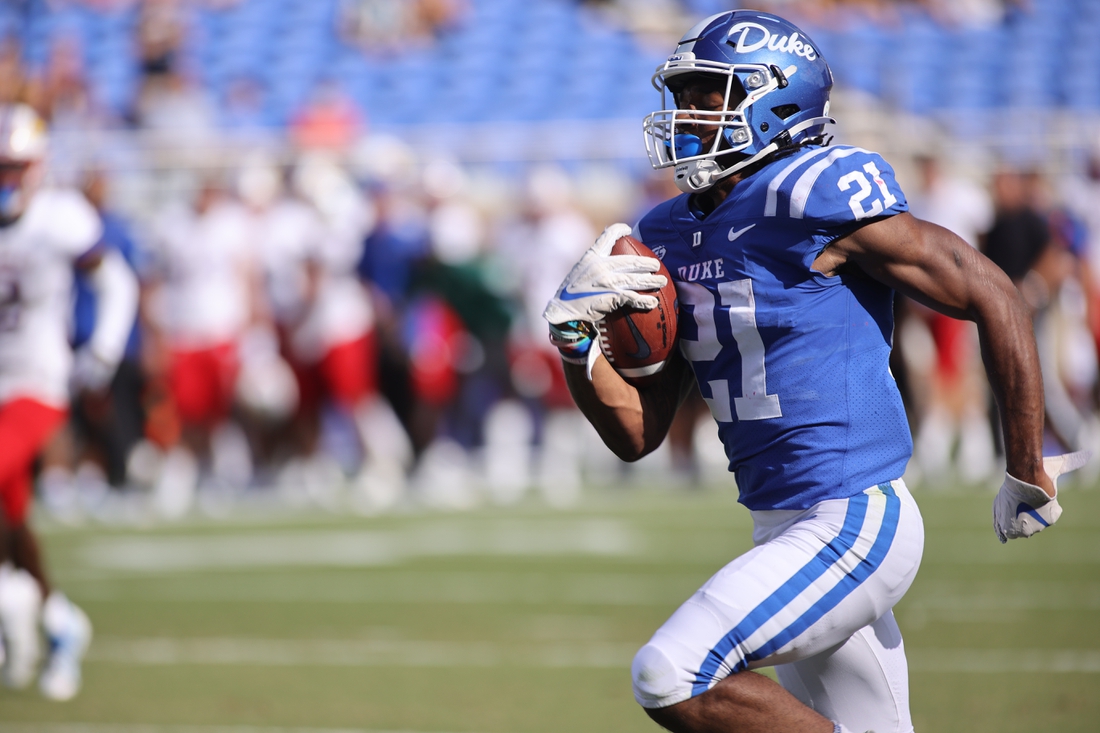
{"x": 769, "y": 122}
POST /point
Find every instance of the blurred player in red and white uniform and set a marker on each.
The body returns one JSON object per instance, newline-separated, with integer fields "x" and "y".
{"x": 957, "y": 390}
{"x": 203, "y": 296}
{"x": 311, "y": 246}
{"x": 44, "y": 233}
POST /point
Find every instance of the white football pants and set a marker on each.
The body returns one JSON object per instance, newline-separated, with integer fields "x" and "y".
{"x": 813, "y": 599}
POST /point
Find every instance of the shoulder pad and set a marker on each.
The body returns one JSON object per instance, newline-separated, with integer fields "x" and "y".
{"x": 833, "y": 186}
{"x": 65, "y": 219}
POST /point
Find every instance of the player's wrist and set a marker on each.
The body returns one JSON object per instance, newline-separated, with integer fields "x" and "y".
{"x": 573, "y": 340}
{"x": 1032, "y": 474}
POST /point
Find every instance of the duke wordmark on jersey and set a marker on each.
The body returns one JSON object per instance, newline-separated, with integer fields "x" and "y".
{"x": 705, "y": 270}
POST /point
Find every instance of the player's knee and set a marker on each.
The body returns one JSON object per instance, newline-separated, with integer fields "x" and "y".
{"x": 657, "y": 681}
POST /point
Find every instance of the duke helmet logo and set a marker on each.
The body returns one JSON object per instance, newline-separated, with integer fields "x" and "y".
{"x": 753, "y": 36}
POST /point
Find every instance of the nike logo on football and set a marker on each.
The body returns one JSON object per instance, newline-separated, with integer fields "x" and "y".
{"x": 735, "y": 234}
{"x": 567, "y": 294}
{"x": 643, "y": 350}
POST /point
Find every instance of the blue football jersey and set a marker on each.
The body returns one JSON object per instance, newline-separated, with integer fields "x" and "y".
{"x": 793, "y": 364}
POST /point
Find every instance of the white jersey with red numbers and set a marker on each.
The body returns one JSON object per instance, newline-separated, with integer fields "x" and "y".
{"x": 287, "y": 232}
{"x": 342, "y": 312}
{"x": 37, "y": 253}
{"x": 292, "y": 236}
{"x": 207, "y": 260}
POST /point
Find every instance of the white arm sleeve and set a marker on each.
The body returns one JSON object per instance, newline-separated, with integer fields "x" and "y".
{"x": 116, "y": 290}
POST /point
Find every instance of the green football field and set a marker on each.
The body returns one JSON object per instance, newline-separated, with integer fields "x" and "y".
{"x": 525, "y": 619}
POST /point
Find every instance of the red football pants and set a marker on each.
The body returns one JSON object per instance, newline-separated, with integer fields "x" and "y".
{"x": 202, "y": 383}
{"x": 346, "y": 374}
{"x": 25, "y": 427}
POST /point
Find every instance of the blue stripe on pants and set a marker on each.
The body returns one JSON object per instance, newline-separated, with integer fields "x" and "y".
{"x": 806, "y": 576}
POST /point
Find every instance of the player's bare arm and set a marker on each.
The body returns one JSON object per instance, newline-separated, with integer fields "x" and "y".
{"x": 631, "y": 421}
{"x": 937, "y": 268}
{"x": 117, "y": 293}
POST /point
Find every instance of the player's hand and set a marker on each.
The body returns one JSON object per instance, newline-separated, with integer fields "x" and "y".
{"x": 601, "y": 283}
{"x": 91, "y": 372}
{"x": 1022, "y": 509}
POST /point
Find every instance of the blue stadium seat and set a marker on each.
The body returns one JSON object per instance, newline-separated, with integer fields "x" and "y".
{"x": 573, "y": 64}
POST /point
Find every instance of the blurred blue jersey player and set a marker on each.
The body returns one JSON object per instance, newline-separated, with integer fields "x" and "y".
{"x": 786, "y": 253}
{"x": 109, "y": 420}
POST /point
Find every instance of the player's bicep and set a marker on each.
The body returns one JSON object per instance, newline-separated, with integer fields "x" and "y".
{"x": 928, "y": 263}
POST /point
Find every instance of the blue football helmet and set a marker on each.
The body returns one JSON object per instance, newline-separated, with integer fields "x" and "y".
{"x": 776, "y": 95}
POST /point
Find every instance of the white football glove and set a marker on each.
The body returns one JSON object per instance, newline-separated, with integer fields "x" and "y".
{"x": 601, "y": 283}
{"x": 1022, "y": 509}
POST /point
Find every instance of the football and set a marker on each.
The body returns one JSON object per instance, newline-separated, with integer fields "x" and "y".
{"x": 637, "y": 343}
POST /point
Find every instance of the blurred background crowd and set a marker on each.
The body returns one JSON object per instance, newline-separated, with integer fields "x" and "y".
{"x": 347, "y": 215}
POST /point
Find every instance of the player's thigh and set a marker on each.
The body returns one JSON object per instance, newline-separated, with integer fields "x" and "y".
{"x": 347, "y": 371}
{"x": 189, "y": 385}
{"x": 25, "y": 427}
{"x": 832, "y": 571}
{"x": 862, "y": 683}
{"x": 202, "y": 383}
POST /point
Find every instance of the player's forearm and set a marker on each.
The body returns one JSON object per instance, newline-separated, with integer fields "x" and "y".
{"x": 1012, "y": 365}
{"x": 116, "y": 288}
{"x": 630, "y": 422}
{"x": 612, "y": 406}
{"x": 945, "y": 273}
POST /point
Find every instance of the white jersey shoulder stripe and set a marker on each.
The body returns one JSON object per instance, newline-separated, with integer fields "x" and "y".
{"x": 772, "y": 202}
{"x": 800, "y": 194}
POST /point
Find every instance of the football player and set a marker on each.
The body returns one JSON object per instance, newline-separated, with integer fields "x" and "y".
{"x": 785, "y": 252}
{"x": 202, "y": 294}
{"x": 44, "y": 233}
{"x": 313, "y": 234}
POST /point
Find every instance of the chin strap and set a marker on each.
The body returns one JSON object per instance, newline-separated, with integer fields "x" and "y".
{"x": 699, "y": 175}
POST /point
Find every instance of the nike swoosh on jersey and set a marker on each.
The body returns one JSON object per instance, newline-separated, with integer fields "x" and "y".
{"x": 566, "y": 294}
{"x": 735, "y": 234}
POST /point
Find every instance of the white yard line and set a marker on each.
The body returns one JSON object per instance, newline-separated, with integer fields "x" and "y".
{"x": 393, "y": 586}
{"x": 1014, "y": 661}
{"x": 360, "y": 548}
{"x": 562, "y": 655}
{"x": 359, "y": 653}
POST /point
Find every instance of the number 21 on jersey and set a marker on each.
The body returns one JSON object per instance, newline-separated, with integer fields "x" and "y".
{"x": 738, "y": 304}
{"x": 855, "y": 203}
